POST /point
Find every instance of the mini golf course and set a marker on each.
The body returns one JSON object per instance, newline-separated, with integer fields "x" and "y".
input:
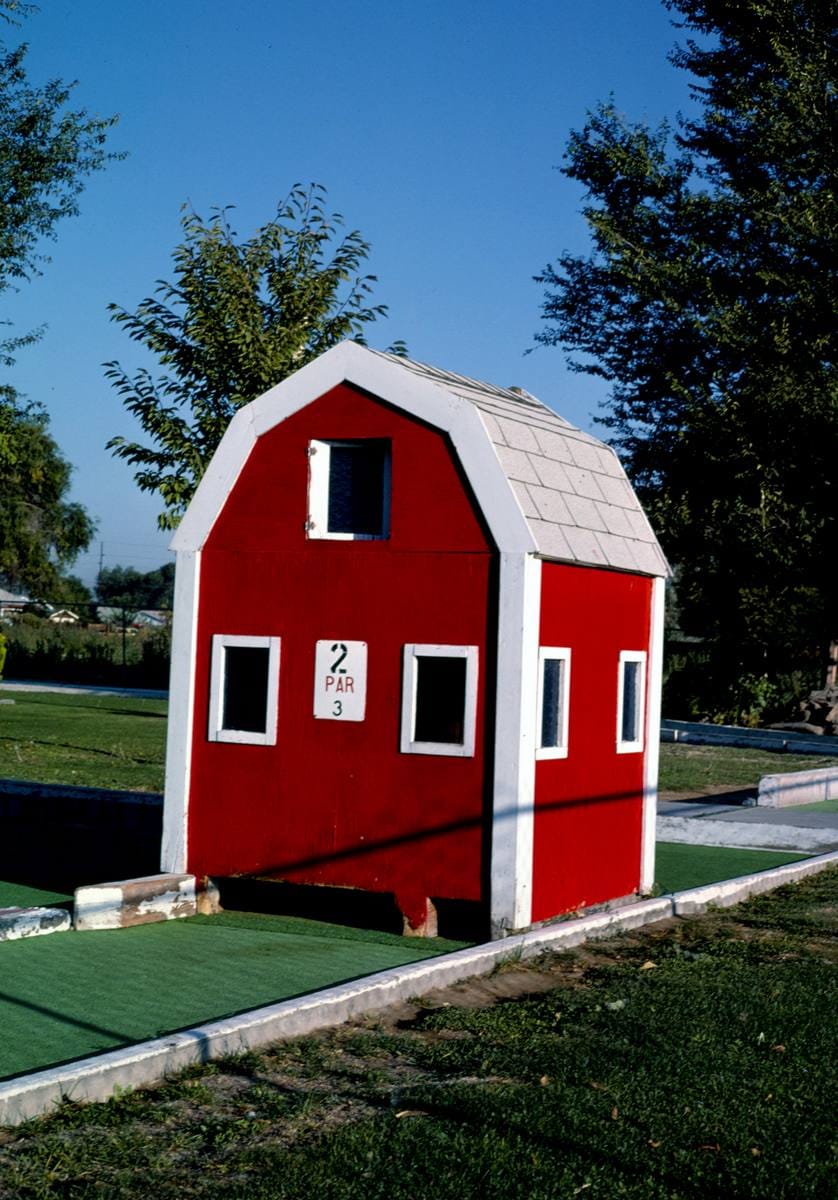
{"x": 71, "y": 995}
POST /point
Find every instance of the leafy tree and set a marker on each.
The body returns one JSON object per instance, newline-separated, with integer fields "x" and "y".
{"x": 125, "y": 587}
{"x": 708, "y": 303}
{"x": 239, "y": 317}
{"x": 41, "y": 531}
{"x": 72, "y": 592}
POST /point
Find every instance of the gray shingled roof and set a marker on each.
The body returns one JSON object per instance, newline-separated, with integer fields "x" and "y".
{"x": 569, "y": 485}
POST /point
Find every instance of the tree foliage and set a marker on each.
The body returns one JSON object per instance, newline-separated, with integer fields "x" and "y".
{"x": 125, "y": 587}
{"x": 239, "y": 316}
{"x": 41, "y": 531}
{"x": 708, "y": 303}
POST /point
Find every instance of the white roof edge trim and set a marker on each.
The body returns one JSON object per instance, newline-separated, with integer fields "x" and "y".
{"x": 219, "y": 477}
{"x": 353, "y": 364}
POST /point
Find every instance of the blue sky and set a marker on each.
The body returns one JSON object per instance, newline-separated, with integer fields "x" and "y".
{"x": 436, "y": 128}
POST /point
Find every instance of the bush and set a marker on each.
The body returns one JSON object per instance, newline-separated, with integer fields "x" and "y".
{"x": 71, "y": 654}
{"x": 698, "y": 688}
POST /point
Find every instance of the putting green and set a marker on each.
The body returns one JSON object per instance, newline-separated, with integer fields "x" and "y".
{"x": 18, "y": 895}
{"x": 73, "y": 994}
{"x": 679, "y": 866}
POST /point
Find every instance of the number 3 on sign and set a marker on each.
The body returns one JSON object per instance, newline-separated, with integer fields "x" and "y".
{"x": 340, "y": 680}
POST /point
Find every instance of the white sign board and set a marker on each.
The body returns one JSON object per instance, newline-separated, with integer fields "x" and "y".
{"x": 340, "y": 680}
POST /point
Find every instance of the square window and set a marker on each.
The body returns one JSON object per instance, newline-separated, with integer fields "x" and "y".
{"x": 244, "y": 685}
{"x": 349, "y": 490}
{"x": 553, "y": 701}
{"x": 439, "y": 700}
{"x": 631, "y": 701}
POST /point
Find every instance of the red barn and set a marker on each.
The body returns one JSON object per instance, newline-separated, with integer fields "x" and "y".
{"x": 417, "y": 649}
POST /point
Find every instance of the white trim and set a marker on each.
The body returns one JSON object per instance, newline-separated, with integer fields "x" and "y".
{"x": 654, "y": 685}
{"x": 319, "y": 483}
{"x": 519, "y": 614}
{"x": 216, "y": 732}
{"x": 216, "y": 483}
{"x": 381, "y": 377}
{"x": 408, "y": 744}
{"x": 633, "y": 745}
{"x": 553, "y": 654}
{"x": 173, "y": 850}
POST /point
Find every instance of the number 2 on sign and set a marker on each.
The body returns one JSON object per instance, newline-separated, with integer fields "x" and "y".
{"x": 341, "y": 650}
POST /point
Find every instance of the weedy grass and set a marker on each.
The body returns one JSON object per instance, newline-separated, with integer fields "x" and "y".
{"x": 686, "y": 768}
{"x": 86, "y": 740}
{"x": 691, "y": 1059}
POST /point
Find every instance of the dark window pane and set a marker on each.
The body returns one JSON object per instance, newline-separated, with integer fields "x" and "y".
{"x": 440, "y": 700}
{"x": 245, "y": 688}
{"x": 356, "y": 488}
{"x": 631, "y": 698}
{"x": 551, "y": 701}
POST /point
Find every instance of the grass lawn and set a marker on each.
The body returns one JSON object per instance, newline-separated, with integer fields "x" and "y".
{"x": 685, "y": 768}
{"x": 90, "y": 740}
{"x": 679, "y": 866}
{"x": 692, "y": 1059}
{"x": 73, "y": 994}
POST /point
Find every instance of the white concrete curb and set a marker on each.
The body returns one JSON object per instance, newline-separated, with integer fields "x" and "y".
{"x": 798, "y": 787}
{"x": 757, "y": 835}
{"x": 97, "y": 1078}
{"x": 32, "y": 922}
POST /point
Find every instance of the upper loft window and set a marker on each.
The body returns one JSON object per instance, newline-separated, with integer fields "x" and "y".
{"x": 349, "y": 489}
{"x": 631, "y": 701}
{"x": 244, "y": 683}
{"x": 439, "y": 700}
{"x": 553, "y": 697}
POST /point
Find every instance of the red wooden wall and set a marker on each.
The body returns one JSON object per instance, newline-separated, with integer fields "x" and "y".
{"x": 334, "y": 802}
{"x": 588, "y": 806}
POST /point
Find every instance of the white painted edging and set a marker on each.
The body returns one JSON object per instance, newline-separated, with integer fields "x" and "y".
{"x": 97, "y": 1078}
{"x": 798, "y": 787}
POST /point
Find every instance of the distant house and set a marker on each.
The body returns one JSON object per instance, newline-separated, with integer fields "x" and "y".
{"x": 63, "y": 616}
{"x": 11, "y": 603}
{"x": 152, "y": 618}
{"x": 417, "y": 650}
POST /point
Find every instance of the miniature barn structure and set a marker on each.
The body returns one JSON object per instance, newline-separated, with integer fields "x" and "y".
{"x": 416, "y": 650}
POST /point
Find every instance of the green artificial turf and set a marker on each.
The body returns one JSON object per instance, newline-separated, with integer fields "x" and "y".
{"x": 679, "y": 866}
{"x": 690, "y": 768}
{"x": 822, "y": 806}
{"x": 74, "y": 994}
{"x": 18, "y": 895}
{"x": 90, "y": 740}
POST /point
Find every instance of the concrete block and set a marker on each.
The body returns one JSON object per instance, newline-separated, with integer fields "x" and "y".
{"x": 135, "y": 902}
{"x": 32, "y": 922}
{"x": 798, "y": 787}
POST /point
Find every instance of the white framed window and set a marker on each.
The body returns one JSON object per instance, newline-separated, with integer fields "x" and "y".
{"x": 553, "y": 701}
{"x": 631, "y": 701}
{"x": 349, "y": 489}
{"x": 244, "y": 686}
{"x": 439, "y": 700}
